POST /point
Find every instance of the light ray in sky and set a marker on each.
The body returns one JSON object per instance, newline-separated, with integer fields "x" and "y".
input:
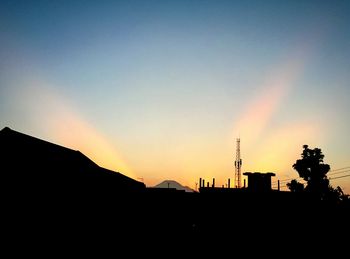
{"x": 161, "y": 90}
{"x": 65, "y": 126}
{"x": 261, "y": 109}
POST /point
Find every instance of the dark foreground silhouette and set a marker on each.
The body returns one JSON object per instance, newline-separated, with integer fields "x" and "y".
{"x": 56, "y": 200}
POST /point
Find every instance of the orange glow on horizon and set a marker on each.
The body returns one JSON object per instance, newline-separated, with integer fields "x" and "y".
{"x": 64, "y": 126}
{"x": 281, "y": 149}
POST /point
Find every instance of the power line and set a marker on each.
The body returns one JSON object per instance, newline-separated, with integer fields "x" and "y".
{"x": 284, "y": 180}
{"x": 340, "y": 172}
{"x": 330, "y": 178}
{"x": 333, "y": 178}
{"x": 335, "y": 170}
{"x": 290, "y": 179}
{"x": 340, "y": 169}
{"x": 339, "y": 177}
{"x": 301, "y": 181}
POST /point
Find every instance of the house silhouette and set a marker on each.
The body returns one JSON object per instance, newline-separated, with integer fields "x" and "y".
{"x": 50, "y": 191}
{"x": 29, "y": 164}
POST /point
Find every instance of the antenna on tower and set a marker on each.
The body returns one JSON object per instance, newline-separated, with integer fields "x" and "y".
{"x": 238, "y": 164}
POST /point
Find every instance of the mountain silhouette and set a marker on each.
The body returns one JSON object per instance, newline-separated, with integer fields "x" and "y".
{"x": 173, "y": 184}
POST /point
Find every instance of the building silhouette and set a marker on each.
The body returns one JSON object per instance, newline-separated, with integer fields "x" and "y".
{"x": 52, "y": 191}
{"x": 260, "y": 182}
{"x": 31, "y": 164}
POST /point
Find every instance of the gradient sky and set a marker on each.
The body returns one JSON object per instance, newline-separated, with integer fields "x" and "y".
{"x": 160, "y": 90}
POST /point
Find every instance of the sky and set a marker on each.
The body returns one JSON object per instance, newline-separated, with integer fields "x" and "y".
{"x": 161, "y": 90}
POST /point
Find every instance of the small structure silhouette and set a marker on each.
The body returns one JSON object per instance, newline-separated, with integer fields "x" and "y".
{"x": 259, "y": 181}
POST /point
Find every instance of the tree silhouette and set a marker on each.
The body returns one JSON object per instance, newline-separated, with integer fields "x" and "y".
{"x": 312, "y": 169}
{"x": 295, "y": 186}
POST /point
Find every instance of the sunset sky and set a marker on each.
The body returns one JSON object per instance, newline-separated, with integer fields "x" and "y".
{"x": 160, "y": 90}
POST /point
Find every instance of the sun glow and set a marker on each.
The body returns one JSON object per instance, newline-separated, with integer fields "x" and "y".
{"x": 267, "y": 148}
{"x": 63, "y": 125}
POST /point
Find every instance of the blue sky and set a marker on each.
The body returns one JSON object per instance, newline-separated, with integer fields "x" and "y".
{"x": 161, "y": 89}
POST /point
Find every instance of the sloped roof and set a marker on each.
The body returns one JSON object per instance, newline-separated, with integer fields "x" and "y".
{"x": 27, "y": 158}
